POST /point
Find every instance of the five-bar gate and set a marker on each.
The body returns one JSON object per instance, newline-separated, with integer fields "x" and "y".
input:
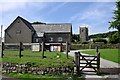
{"x": 87, "y": 63}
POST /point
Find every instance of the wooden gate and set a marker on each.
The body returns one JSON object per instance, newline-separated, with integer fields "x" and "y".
{"x": 87, "y": 63}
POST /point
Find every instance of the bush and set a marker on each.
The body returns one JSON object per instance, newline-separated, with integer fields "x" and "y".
{"x": 100, "y": 40}
{"x": 93, "y": 46}
{"x": 85, "y": 42}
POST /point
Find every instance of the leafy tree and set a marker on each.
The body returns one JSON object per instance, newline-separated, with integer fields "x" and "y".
{"x": 116, "y": 22}
{"x": 38, "y": 23}
{"x": 75, "y": 37}
{"x": 114, "y": 38}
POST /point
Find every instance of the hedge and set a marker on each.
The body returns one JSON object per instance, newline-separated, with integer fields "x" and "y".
{"x": 92, "y": 46}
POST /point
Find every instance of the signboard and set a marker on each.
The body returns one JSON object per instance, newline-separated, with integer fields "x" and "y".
{"x": 35, "y": 47}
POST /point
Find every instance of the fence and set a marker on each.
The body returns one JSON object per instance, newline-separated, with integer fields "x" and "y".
{"x": 21, "y": 46}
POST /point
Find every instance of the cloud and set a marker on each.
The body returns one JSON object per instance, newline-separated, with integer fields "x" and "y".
{"x": 55, "y": 8}
{"x": 94, "y": 12}
{"x": 96, "y": 16}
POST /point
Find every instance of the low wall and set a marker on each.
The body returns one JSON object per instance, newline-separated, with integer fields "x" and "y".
{"x": 27, "y": 68}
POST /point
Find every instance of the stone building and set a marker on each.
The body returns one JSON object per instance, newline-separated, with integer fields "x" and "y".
{"x": 83, "y": 34}
{"x": 53, "y": 35}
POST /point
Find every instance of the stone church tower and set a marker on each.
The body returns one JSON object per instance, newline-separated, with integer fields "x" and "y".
{"x": 83, "y": 34}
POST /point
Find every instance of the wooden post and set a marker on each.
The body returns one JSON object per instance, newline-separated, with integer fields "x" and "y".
{"x": 66, "y": 50}
{"x": 77, "y": 62}
{"x": 39, "y": 45}
{"x": 98, "y": 63}
{"x": 42, "y": 49}
{"x": 96, "y": 49}
{"x": 20, "y": 50}
{"x": 2, "y": 50}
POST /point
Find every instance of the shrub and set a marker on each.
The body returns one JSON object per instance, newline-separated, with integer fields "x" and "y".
{"x": 100, "y": 40}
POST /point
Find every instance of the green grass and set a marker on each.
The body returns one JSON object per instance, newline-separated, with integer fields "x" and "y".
{"x": 51, "y": 59}
{"x": 109, "y": 54}
{"x": 45, "y": 77}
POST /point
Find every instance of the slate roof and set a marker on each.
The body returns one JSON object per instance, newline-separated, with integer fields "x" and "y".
{"x": 52, "y": 28}
{"x": 27, "y": 23}
{"x": 46, "y": 28}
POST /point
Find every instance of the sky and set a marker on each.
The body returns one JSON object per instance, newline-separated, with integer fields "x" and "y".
{"x": 94, "y": 15}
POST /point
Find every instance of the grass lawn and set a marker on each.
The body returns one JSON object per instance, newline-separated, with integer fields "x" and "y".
{"x": 51, "y": 59}
{"x": 45, "y": 77}
{"x": 109, "y": 54}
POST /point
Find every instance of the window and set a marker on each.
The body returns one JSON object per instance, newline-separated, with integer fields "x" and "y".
{"x": 82, "y": 30}
{"x": 60, "y": 39}
{"x": 51, "y": 39}
{"x": 18, "y": 31}
{"x": 37, "y": 40}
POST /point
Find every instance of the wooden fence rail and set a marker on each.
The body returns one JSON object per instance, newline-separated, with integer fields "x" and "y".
{"x": 20, "y": 49}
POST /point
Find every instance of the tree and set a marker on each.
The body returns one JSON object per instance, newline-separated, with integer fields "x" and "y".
{"x": 38, "y": 23}
{"x": 114, "y": 38}
{"x": 116, "y": 22}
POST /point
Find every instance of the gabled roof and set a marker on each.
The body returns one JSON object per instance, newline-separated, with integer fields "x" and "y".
{"x": 25, "y": 21}
{"x": 53, "y": 28}
{"x": 46, "y": 28}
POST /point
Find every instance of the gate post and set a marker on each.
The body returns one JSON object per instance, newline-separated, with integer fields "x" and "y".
{"x": 2, "y": 46}
{"x": 96, "y": 49}
{"x": 98, "y": 63}
{"x": 77, "y": 62}
{"x": 42, "y": 50}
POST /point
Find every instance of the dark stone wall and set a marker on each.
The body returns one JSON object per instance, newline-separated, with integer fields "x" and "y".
{"x": 65, "y": 37}
{"x": 18, "y": 32}
{"x": 28, "y": 69}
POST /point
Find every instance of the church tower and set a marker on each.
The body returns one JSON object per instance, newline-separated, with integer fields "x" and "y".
{"x": 83, "y": 34}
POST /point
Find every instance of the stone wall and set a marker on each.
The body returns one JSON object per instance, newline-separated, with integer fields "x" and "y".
{"x": 29, "y": 69}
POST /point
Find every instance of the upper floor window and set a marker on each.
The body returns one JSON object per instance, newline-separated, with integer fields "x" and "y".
{"x": 60, "y": 39}
{"x": 18, "y": 31}
{"x": 51, "y": 39}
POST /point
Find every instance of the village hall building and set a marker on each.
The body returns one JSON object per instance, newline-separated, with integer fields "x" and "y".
{"x": 53, "y": 35}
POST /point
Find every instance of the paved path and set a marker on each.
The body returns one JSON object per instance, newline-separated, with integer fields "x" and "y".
{"x": 103, "y": 64}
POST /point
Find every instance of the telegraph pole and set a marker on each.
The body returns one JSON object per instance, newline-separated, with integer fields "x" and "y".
{"x": 1, "y": 41}
{"x": 1, "y": 32}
